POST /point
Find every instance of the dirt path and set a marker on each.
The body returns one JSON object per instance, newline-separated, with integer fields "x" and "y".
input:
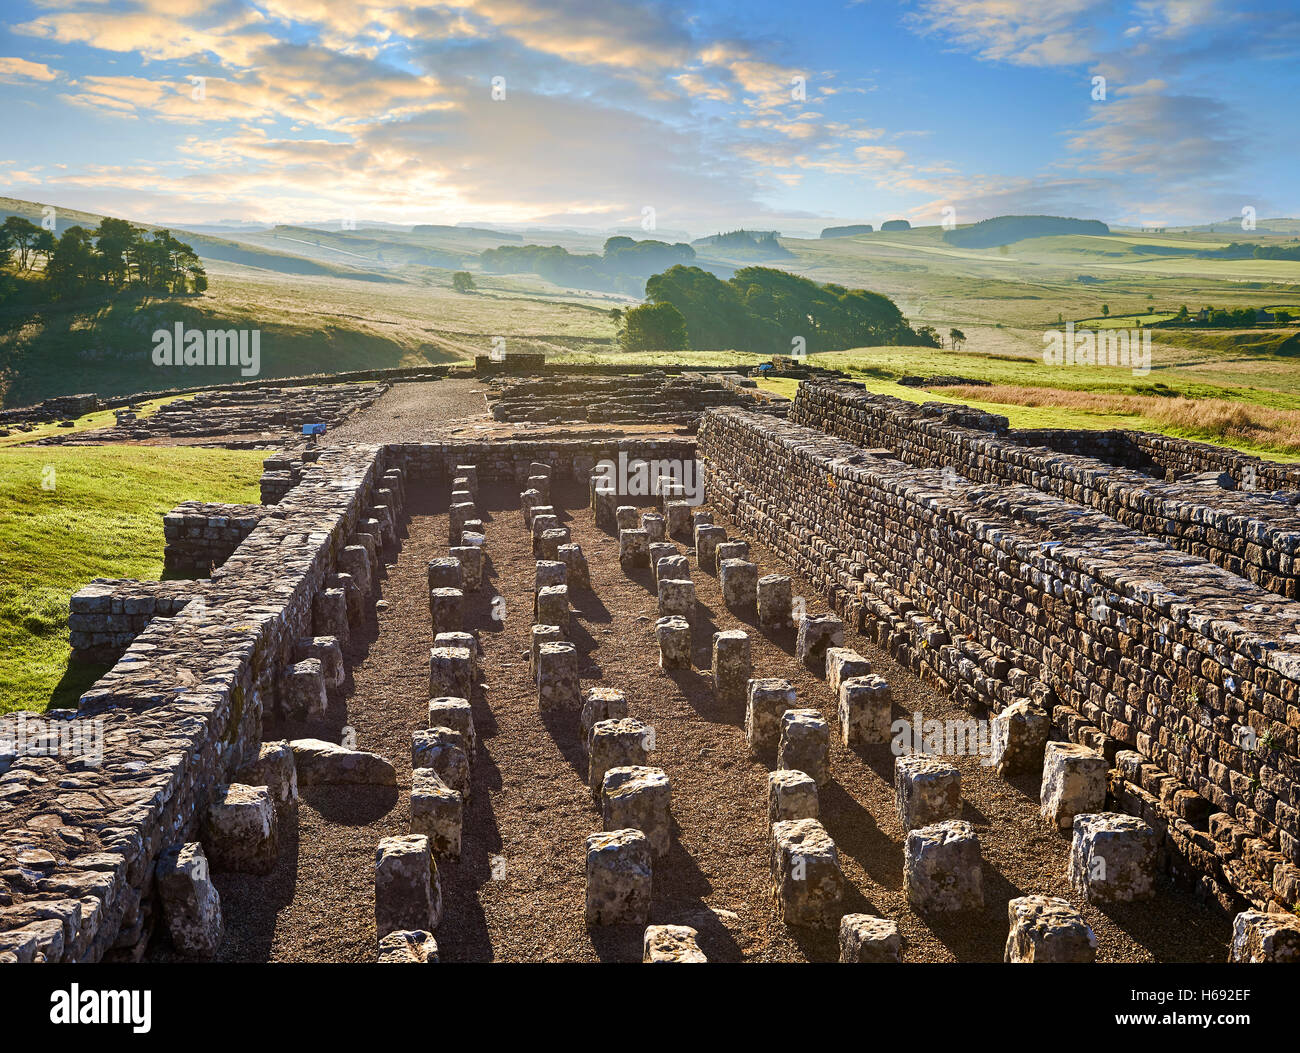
{"x": 414, "y": 411}
{"x": 518, "y": 892}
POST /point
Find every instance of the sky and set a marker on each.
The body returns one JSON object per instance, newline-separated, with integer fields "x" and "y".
{"x": 773, "y": 114}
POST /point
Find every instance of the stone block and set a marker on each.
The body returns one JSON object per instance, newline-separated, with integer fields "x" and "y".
{"x": 470, "y": 557}
{"x": 1113, "y": 857}
{"x": 600, "y": 703}
{"x": 190, "y": 904}
{"x": 775, "y": 601}
{"x": 864, "y": 938}
{"x": 326, "y": 650}
{"x": 618, "y": 878}
{"x": 805, "y": 744}
{"x": 627, "y": 518}
{"x": 621, "y": 743}
{"x": 674, "y": 567}
{"x": 926, "y": 790}
{"x": 638, "y": 798}
{"x": 671, "y": 943}
{"x": 1019, "y": 738}
{"x": 461, "y": 639}
{"x": 548, "y": 544}
{"x": 1048, "y": 929}
{"x": 446, "y": 572}
{"x": 807, "y": 883}
{"x": 275, "y": 769}
{"x": 865, "y": 707}
{"x": 557, "y": 677}
{"x": 707, "y": 539}
{"x": 816, "y": 634}
{"x": 408, "y": 947}
{"x": 676, "y": 598}
{"x": 732, "y": 666}
{"x": 1074, "y": 781}
{"x": 446, "y": 752}
{"x": 457, "y": 714}
{"x": 943, "y": 869}
{"x": 1259, "y": 937}
{"x": 553, "y": 607}
{"x": 677, "y": 518}
{"x": 408, "y": 894}
{"x": 733, "y": 549}
{"x": 447, "y": 610}
{"x": 321, "y": 763}
{"x": 240, "y": 831}
{"x": 633, "y": 549}
{"x": 304, "y": 690}
{"x": 790, "y": 795}
{"x": 739, "y": 579}
{"x": 577, "y": 574}
{"x": 451, "y": 672}
{"x": 653, "y": 525}
{"x": 766, "y": 700}
{"x": 674, "y": 636}
{"x": 437, "y": 812}
{"x": 844, "y": 663}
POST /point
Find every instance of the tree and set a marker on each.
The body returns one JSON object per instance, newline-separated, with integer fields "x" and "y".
{"x": 23, "y": 236}
{"x": 112, "y": 239}
{"x": 957, "y": 337}
{"x": 73, "y": 263}
{"x": 463, "y": 281}
{"x": 1105, "y": 310}
{"x": 653, "y": 327}
{"x": 928, "y": 336}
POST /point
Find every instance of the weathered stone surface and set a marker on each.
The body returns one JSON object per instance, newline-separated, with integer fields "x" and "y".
{"x": 653, "y": 525}
{"x": 457, "y": 714}
{"x": 446, "y": 572}
{"x": 1260, "y": 937}
{"x": 600, "y": 703}
{"x": 676, "y": 598}
{"x": 557, "y": 677}
{"x": 470, "y": 557}
{"x": 926, "y": 790}
{"x": 577, "y": 573}
{"x": 674, "y": 637}
{"x": 1019, "y": 736}
{"x": 1113, "y": 857}
{"x": 807, "y": 883}
{"x": 1048, "y": 929}
{"x": 775, "y": 601}
{"x": 553, "y": 606}
{"x": 732, "y": 667}
{"x": 437, "y": 812}
{"x": 739, "y": 580}
{"x": 864, "y": 938}
{"x": 275, "y": 769}
{"x": 677, "y": 518}
{"x": 465, "y": 640}
{"x": 844, "y": 663}
{"x": 542, "y": 634}
{"x": 408, "y": 894}
{"x": 627, "y": 518}
{"x": 766, "y": 700}
{"x": 191, "y": 906}
{"x": 671, "y": 943}
{"x": 942, "y": 868}
{"x": 408, "y": 947}
{"x": 618, "y": 878}
{"x": 616, "y": 744}
{"x": 865, "y": 708}
{"x": 638, "y": 798}
{"x": 320, "y": 763}
{"x": 707, "y": 539}
{"x": 446, "y": 752}
{"x": 671, "y": 566}
{"x": 790, "y": 795}
{"x": 451, "y": 672}
{"x": 447, "y": 610}
{"x": 816, "y": 634}
{"x": 805, "y": 744}
{"x": 1074, "y": 781}
{"x": 304, "y": 690}
{"x": 240, "y": 831}
{"x": 326, "y": 650}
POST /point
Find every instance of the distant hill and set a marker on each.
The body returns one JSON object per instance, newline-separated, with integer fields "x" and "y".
{"x": 847, "y": 232}
{"x": 477, "y": 232}
{"x": 1003, "y": 230}
{"x": 895, "y": 224}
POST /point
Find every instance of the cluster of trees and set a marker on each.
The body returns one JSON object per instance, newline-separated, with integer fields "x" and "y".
{"x": 759, "y": 309}
{"x": 113, "y": 255}
{"x": 747, "y": 243}
{"x": 1226, "y": 318}
{"x": 622, "y": 266}
{"x": 1247, "y": 250}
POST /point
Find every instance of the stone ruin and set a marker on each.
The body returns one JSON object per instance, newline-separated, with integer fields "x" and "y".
{"x": 632, "y": 399}
{"x": 1135, "y": 643}
{"x": 235, "y": 411}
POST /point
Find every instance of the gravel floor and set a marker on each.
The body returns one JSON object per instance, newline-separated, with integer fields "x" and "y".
{"x": 415, "y": 411}
{"x": 530, "y": 810}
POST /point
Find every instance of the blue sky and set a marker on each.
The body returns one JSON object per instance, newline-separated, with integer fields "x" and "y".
{"x": 769, "y": 113}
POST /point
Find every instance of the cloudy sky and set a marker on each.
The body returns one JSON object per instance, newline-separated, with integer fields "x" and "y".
{"x": 776, "y": 113}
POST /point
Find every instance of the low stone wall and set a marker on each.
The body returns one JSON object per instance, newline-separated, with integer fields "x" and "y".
{"x": 106, "y": 616}
{"x": 201, "y": 535}
{"x": 1003, "y": 591}
{"x": 83, "y": 824}
{"x": 1250, "y": 533}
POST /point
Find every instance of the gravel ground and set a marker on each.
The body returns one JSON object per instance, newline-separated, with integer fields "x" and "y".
{"x": 415, "y": 411}
{"x": 530, "y": 809}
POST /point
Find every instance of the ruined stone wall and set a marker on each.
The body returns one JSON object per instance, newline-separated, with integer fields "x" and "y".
{"x": 174, "y": 718}
{"x": 1003, "y": 591}
{"x": 202, "y": 535}
{"x": 1250, "y": 533}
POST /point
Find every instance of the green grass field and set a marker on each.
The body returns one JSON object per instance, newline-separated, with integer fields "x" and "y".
{"x": 70, "y": 515}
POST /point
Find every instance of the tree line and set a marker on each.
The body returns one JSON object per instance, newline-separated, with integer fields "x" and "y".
{"x": 763, "y": 310}
{"x": 622, "y": 266}
{"x": 114, "y": 255}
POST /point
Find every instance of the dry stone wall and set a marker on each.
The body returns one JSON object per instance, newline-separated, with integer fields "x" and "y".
{"x": 998, "y": 592}
{"x": 1251, "y": 533}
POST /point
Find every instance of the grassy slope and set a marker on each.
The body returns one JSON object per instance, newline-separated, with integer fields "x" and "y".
{"x": 103, "y": 518}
